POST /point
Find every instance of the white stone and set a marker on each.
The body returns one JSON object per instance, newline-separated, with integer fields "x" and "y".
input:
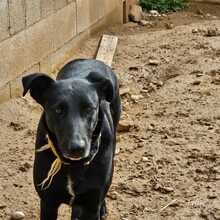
{"x": 18, "y": 215}
{"x": 154, "y": 13}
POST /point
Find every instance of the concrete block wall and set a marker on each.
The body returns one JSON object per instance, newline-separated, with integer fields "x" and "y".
{"x": 38, "y": 35}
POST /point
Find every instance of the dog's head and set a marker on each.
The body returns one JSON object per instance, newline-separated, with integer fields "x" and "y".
{"x": 71, "y": 108}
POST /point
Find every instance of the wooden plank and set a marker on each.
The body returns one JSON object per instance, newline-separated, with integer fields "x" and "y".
{"x": 107, "y": 49}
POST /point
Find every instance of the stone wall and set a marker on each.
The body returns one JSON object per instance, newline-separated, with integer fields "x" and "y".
{"x": 37, "y": 35}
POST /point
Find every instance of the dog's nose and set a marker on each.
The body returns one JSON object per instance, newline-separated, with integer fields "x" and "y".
{"x": 77, "y": 148}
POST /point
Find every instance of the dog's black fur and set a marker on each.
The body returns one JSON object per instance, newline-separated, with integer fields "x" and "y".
{"x": 81, "y": 112}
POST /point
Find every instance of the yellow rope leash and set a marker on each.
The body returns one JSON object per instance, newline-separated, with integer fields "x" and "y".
{"x": 55, "y": 167}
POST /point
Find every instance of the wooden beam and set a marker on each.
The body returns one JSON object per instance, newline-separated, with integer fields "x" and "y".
{"x": 207, "y": 1}
{"x": 126, "y": 8}
{"x": 107, "y": 49}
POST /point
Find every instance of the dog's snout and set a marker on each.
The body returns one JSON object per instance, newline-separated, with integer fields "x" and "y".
{"x": 77, "y": 147}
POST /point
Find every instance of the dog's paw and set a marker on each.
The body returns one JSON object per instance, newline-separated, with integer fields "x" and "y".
{"x": 103, "y": 212}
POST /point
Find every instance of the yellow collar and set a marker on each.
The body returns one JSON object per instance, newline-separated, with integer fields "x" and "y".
{"x": 57, "y": 163}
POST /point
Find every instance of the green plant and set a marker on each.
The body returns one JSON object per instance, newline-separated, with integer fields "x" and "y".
{"x": 163, "y": 5}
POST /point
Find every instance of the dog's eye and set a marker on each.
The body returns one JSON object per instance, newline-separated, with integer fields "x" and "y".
{"x": 59, "y": 110}
{"x": 89, "y": 110}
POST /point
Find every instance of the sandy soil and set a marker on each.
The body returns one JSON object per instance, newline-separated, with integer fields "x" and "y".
{"x": 168, "y": 164}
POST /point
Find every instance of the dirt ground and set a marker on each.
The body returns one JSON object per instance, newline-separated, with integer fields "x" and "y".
{"x": 168, "y": 161}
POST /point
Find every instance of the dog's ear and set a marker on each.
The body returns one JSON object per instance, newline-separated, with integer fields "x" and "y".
{"x": 103, "y": 85}
{"x": 37, "y": 83}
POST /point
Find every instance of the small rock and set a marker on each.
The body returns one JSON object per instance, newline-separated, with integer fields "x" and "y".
{"x": 151, "y": 127}
{"x": 145, "y": 159}
{"x": 157, "y": 186}
{"x": 168, "y": 189}
{"x": 135, "y": 98}
{"x": 113, "y": 195}
{"x": 117, "y": 150}
{"x": 124, "y": 91}
{"x": 212, "y": 32}
{"x": 152, "y": 87}
{"x": 133, "y": 68}
{"x": 17, "y": 215}
{"x": 135, "y": 13}
{"x": 196, "y": 83}
{"x": 125, "y": 126}
{"x": 145, "y": 92}
{"x": 154, "y": 62}
{"x": 145, "y": 23}
{"x": 214, "y": 17}
{"x": 216, "y": 169}
{"x": 198, "y": 30}
{"x": 214, "y": 73}
{"x": 216, "y": 81}
{"x": 217, "y": 176}
{"x": 154, "y": 13}
{"x": 159, "y": 83}
{"x": 212, "y": 196}
{"x": 199, "y": 74}
{"x": 2, "y": 206}
{"x": 175, "y": 203}
{"x": 25, "y": 167}
{"x": 195, "y": 30}
{"x": 169, "y": 26}
{"x": 163, "y": 189}
{"x": 216, "y": 213}
{"x": 165, "y": 46}
{"x": 137, "y": 190}
{"x": 204, "y": 214}
{"x": 16, "y": 126}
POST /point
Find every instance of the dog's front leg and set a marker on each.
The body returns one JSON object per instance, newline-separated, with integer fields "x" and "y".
{"x": 81, "y": 213}
{"x": 103, "y": 211}
{"x": 48, "y": 210}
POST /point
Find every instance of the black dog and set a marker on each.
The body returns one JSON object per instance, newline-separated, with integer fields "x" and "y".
{"x": 76, "y": 137}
